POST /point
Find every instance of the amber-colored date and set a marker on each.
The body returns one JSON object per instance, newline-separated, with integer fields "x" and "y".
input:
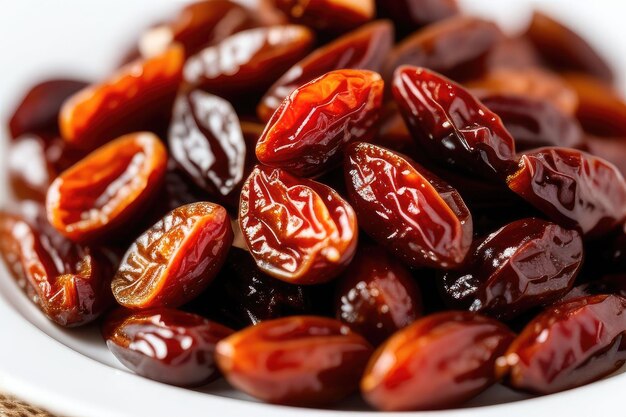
{"x": 565, "y": 50}
{"x": 308, "y": 132}
{"x": 165, "y": 345}
{"x": 128, "y": 101}
{"x": 573, "y": 188}
{"x": 248, "y": 62}
{"x": 451, "y": 125}
{"x": 525, "y": 264}
{"x": 439, "y": 361}
{"x": 332, "y": 16}
{"x": 175, "y": 260}
{"x": 406, "y": 208}
{"x": 568, "y": 345}
{"x": 297, "y": 230}
{"x": 303, "y": 360}
{"x": 68, "y": 282}
{"x": 377, "y": 296}
{"x": 85, "y": 206}
{"x": 456, "y": 47}
{"x": 410, "y": 15}
{"x": 534, "y": 123}
{"x": 364, "y": 48}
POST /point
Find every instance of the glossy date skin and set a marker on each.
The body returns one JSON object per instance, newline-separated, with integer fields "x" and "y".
{"x": 86, "y": 207}
{"x": 439, "y": 361}
{"x": 456, "y": 47}
{"x": 565, "y": 50}
{"x": 248, "y": 62}
{"x": 407, "y": 209}
{"x": 612, "y": 149}
{"x": 451, "y": 125}
{"x": 302, "y": 360}
{"x": 534, "y": 123}
{"x": 573, "y": 188}
{"x": 308, "y": 132}
{"x": 130, "y": 100}
{"x": 206, "y": 141}
{"x": 410, "y": 15}
{"x": 568, "y": 345}
{"x": 174, "y": 261}
{"x": 165, "y": 345}
{"x": 38, "y": 111}
{"x": 377, "y": 295}
{"x": 68, "y": 282}
{"x": 364, "y": 48}
{"x": 525, "y": 264}
{"x": 297, "y": 230}
{"x": 330, "y": 16}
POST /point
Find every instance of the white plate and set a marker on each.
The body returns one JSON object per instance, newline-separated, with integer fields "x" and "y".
{"x": 71, "y": 372}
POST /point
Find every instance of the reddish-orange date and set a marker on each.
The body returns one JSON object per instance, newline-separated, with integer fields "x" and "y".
{"x": 297, "y": 230}
{"x": 165, "y": 345}
{"x": 406, "y": 208}
{"x": 439, "y": 361}
{"x": 568, "y": 345}
{"x": 333, "y": 16}
{"x": 174, "y": 260}
{"x": 307, "y": 133}
{"x": 99, "y": 195}
{"x": 300, "y": 360}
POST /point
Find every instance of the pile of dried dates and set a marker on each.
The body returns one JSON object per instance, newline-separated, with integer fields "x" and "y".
{"x": 312, "y": 199}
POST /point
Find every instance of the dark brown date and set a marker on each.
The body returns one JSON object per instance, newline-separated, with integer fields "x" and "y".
{"x": 451, "y": 125}
{"x": 568, "y": 345}
{"x": 456, "y": 47}
{"x": 175, "y": 260}
{"x": 573, "y": 188}
{"x": 331, "y": 16}
{"x": 365, "y": 48}
{"x": 308, "y": 132}
{"x": 298, "y": 230}
{"x": 439, "y": 361}
{"x": 165, "y": 345}
{"x": 377, "y": 296}
{"x": 410, "y": 15}
{"x": 513, "y": 52}
{"x": 565, "y": 50}
{"x": 525, "y": 264}
{"x": 406, "y": 208}
{"x": 248, "y": 62}
{"x": 303, "y": 360}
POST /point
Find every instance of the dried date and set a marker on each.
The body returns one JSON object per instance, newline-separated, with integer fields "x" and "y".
{"x": 331, "y": 16}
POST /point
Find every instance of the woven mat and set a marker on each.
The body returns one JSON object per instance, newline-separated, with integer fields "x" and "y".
{"x": 10, "y": 407}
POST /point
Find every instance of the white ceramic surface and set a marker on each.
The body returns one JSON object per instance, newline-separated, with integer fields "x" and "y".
{"x": 71, "y": 372}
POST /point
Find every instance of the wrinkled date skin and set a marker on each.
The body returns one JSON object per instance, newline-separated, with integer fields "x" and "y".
{"x": 197, "y": 25}
{"x": 439, "y": 361}
{"x": 249, "y": 61}
{"x": 331, "y": 16}
{"x": 608, "y": 284}
{"x": 531, "y": 83}
{"x": 38, "y": 112}
{"x": 365, "y": 48}
{"x": 242, "y": 295}
{"x": 573, "y": 188}
{"x": 525, "y": 264}
{"x": 568, "y": 345}
{"x": 455, "y": 47}
{"x": 377, "y": 295}
{"x": 297, "y": 230}
{"x": 564, "y": 50}
{"x": 68, "y": 282}
{"x": 175, "y": 260}
{"x": 130, "y": 100}
{"x": 407, "y": 209}
{"x": 165, "y": 345}
{"x": 302, "y": 360}
{"x": 85, "y": 207}
{"x": 601, "y": 109}
{"x": 534, "y": 123}
{"x": 451, "y": 125}
{"x": 206, "y": 141}
{"x": 410, "y": 15}
{"x": 611, "y": 149}
{"x": 307, "y": 133}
